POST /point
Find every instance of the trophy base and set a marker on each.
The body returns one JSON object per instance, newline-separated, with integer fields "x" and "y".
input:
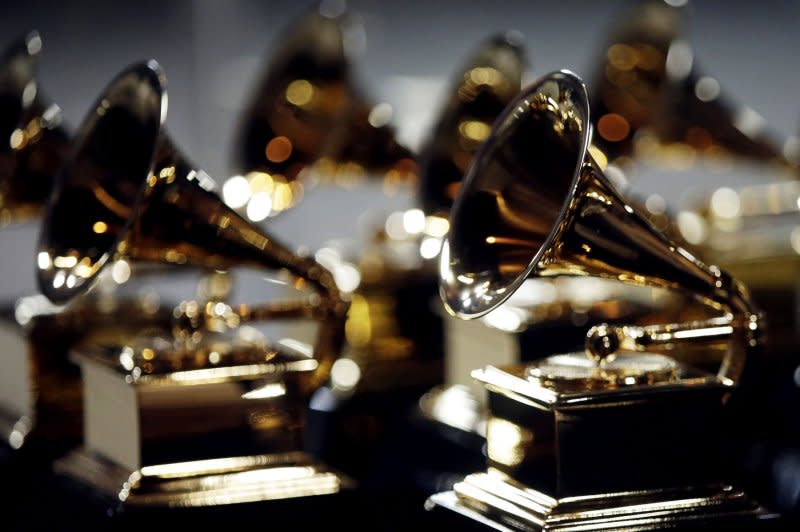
{"x": 204, "y": 483}
{"x": 491, "y": 500}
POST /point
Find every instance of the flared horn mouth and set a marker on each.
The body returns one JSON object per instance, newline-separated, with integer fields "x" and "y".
{"x": 514, "y": 199}
{"x": 99, "y": 188}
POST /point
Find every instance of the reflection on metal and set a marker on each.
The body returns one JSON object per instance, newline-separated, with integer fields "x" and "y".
{"x": 32, "y": 141}
{"x": 125, "y": 176}
{"x": 41, "y": 390}
{"x": 391, "y": 323}
{"x": 535, "y": 203}
{"x": 308, "y": 122}
{"x": 541, "y": 208}
{"x": 483, "y": 86}
{"x": 652, "y": 103}
{"x": 201, "y": 483}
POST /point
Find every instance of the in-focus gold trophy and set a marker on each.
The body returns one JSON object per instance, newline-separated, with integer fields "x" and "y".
{"x": 627, "y": 434}
{"x": 210, "y": 414}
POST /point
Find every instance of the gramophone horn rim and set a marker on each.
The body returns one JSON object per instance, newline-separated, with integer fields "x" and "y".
{"x": 153, "y": 78}
{"x": 450, "y": 286}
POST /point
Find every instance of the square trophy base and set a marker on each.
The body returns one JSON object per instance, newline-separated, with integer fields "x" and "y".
{"x": 200, "y": 483}
{"x": 214, "y": 425}
{"x": 636, "y": 445}
{"x": 40, "y": 388}
{"x": 494, "y": 501}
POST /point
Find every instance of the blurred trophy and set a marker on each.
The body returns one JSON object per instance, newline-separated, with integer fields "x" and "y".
{"x": 307, "y": 122}
{"x": 654, "y": 104}
{"x": 394, "y": 349}
{"x": 656, "y": 109}
{"x": 629, "y": 432}
{"x": 40, "y": 390}
{"x": 34, "y": 144}
{"x": 209, "y": 414}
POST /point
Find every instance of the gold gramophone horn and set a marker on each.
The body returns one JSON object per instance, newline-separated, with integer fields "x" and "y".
{"x": 484, "y": 85}
{"x": 306, "y": 109}
{"x": 536, "y": 204}
{"x": 126, "y": 191}
{"x": 650, "y": 98}
{"x": 32, "y": 141}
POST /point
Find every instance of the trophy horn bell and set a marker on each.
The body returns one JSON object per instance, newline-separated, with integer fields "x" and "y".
{"x": 127, "y": 191}
{"x": 535, "y": 203}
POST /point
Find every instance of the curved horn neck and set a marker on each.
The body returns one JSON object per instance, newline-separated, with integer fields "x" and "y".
{"x": 183, "y": 221}
{"x": 535, "y": 203}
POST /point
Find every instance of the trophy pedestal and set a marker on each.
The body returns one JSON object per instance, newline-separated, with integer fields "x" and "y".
{"x": 210, "y": 427}
{"x": 493, "y": 500}
{"x": 569, "y": 455}
{"x": 223, "y": 481}
{"x": 40, "y": 389}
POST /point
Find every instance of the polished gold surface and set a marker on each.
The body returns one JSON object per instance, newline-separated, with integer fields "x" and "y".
{"x": 32, "y": 141}
{"x": 127, "y": 192}
{"x": 498, "y": 502}
{"x": 393, "y": 332}
{"x": 234, "y": 480}
{"x": 41, "y": 389}
{"x": 127, "y": 196}
{"x": 487, "y": 81}
{"x": 307, "y": 122}
{"x": 536, "y": 204}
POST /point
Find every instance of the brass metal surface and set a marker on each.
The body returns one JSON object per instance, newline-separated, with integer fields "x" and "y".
{"x": 479, "y": 91}
{"x": 502, "y": 504}
{"x": 224, "y": 481}
{"x": 536, "y": 204}
{"x": 48, "y": 332}
{"x": 126, "y": 194}
{"x": 126, "y": 191}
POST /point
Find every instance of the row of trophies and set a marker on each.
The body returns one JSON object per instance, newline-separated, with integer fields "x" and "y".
{"x": 535, "y": 346}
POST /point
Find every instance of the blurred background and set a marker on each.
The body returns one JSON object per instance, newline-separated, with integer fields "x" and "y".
{"x": 212, "y": 53}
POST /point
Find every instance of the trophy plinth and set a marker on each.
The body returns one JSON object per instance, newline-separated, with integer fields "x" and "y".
{"x": 214, "y": 425}
{"x": 40, "y": 389}
{"x": 571, "y": 452}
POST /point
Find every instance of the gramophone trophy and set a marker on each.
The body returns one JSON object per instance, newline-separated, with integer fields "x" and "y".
{"x": 40, "y": 390}
{"x": 34, "y": 144}
{"x": 627, "y": 434}
{"x": 394, "y": 348}
{"x": 657, "y": 109}
{"x": 209, "y": 415}
{"x": 308, "y": 123}
{"x": 653, "y": 104}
